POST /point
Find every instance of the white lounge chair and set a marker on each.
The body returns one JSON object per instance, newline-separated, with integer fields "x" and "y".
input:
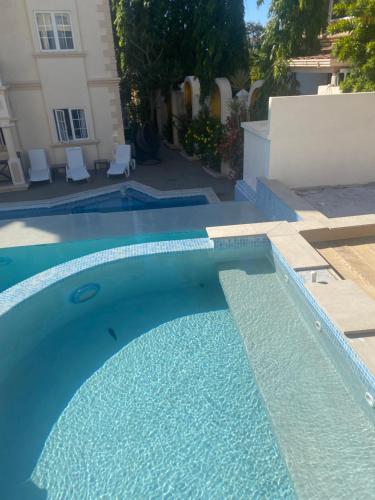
{"x": 39, "y": 167}
{"x": 76, "y": 169}
{"x": 123, "y": 161}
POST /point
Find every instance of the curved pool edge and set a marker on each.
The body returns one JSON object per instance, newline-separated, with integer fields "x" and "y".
{"x": 24, "y": 290}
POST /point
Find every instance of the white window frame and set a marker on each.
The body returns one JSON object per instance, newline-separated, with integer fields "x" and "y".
{"x": 57, "y": 126}
{"x": 53, "y": 13}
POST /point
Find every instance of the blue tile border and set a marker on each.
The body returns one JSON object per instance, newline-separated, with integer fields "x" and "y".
{"x": 272, "y": 206}
{"x": 358, "y": 367}
{"x": 35, "y": 284}
{"x": 243, "y": 192}
{"x": 265, "y": 200}
{"x": 254, "y": 242}
{"x": 29, "y": 287}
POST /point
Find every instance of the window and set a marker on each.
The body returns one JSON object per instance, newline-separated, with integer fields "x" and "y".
{"x": 70, "y": 124}
{"x": 55, "y": 30}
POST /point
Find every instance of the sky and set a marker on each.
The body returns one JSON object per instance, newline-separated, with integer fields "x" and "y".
{"x": 253, "y": 13}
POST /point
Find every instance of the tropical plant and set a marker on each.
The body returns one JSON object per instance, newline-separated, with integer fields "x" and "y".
{"x": 293, "y": 30}
{"x": 142, "y": 53}
{"x": 355, "y": 20}
{"x": 219, "y": 33}
{"x": 183, "y": 124}
{"x": 159, "y": 42}
{"x": 255, "y": 33}
{"x": 202, "y": 137}
{"x": 240, "y": 80}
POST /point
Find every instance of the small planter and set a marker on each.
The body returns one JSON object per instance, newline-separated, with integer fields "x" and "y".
{"x": 188, "y": 157}
{"x": 213, "y": 173}
{"x": 225, "y": 170}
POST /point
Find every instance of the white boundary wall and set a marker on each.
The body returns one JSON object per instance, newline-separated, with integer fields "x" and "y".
{"x": 256, "y": 152}
{"x": 315, "y": 140}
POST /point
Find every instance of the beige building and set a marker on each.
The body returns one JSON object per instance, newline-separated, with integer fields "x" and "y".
{"x": 58, "y": 82}
{"x": 320, "y": 73}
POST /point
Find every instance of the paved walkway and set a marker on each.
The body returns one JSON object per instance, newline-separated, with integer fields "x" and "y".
{"x": 175, "y": 172}
{"x": 341, "y": 201}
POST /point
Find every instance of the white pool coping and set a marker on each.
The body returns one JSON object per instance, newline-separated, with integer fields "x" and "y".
{"x": 96, "y": 225}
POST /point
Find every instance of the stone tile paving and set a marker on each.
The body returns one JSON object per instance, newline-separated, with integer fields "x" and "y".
{"x": 174, "y": 172}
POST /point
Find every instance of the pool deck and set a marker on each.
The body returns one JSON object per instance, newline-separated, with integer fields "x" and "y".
{"x": 341, "y": 201}
{"x": 73, "y": 227}
{"x": 174, "y": 173}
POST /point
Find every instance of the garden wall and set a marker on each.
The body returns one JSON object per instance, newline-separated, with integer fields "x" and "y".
{"x": 314, "y": 140}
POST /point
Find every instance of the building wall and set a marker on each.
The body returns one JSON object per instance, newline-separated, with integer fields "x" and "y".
{"x": 322, "y": 140}
{"x": 309, "y": 82}
{"x": 40, "y": 81}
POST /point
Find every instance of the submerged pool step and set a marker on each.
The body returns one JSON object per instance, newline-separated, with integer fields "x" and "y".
{"x": 327, "y": 441}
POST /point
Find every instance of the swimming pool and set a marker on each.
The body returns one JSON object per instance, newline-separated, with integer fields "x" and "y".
{"x": 118, "y": 199}
{"x": 192, "y": 373}
{"x": 19, "y": 263}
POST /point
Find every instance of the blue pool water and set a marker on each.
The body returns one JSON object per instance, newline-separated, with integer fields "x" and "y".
{"x": 19, "y": 263}
{"x": 327, "y": 438}
{"x": 111, "y": 202}
{"x": 189, "y": 375}
{"x": 170, "y": 408}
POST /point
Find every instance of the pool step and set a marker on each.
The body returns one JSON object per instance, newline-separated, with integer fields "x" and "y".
{"x": 327, "y": 441}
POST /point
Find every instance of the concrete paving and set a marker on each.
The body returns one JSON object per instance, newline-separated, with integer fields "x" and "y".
{"x": 73, "y": 227}
{"x": 341, "y": 201}
{"x": 299, "y": 254}
{"x": 349, "y": 307}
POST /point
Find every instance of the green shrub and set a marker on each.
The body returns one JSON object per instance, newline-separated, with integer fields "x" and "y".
{"x": 202, "y": 136}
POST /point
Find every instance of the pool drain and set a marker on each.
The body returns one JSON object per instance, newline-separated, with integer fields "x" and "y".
{"x": 84, "y": 293}
{"x": 370, "y": 399}
{"x": 5, "y": 261}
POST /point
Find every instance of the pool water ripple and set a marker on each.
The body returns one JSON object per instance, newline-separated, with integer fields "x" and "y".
{"x": 175, "y": 413}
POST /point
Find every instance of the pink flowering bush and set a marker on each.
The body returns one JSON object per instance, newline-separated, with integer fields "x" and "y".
{"x": 231, "y": 146}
